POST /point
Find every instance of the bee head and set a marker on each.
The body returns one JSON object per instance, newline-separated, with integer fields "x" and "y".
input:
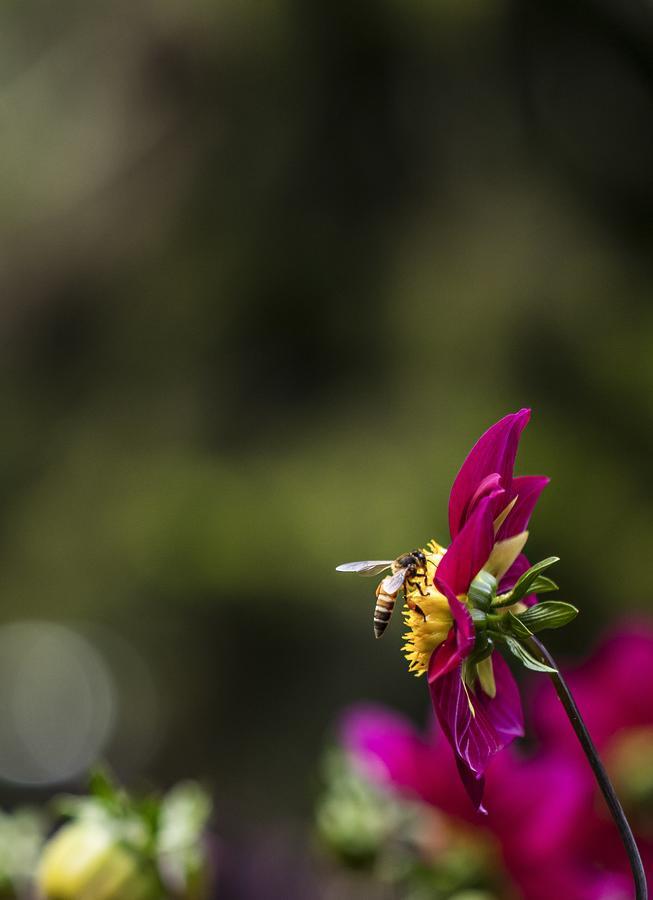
{"x": 420, "y": 557}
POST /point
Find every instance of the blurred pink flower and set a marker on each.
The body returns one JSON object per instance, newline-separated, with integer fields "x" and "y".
{"x": 614, "y": 692}
{"x": 538, "y": 806}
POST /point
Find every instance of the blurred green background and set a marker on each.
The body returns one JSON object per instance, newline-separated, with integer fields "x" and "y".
{"x": 267, "y": 271}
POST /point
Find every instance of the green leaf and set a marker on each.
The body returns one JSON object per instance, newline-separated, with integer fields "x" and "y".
{"x": 524, "y": 585}
{"x": 550, "y": 614}
{"x": 516, "y": 625}
{"x": 525, "y": 657}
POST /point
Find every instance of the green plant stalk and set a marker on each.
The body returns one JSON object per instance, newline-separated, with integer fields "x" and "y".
{"x": 607, "y": 788}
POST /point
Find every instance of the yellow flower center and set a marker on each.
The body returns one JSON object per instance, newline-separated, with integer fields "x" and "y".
{"x": 429, "y": 624}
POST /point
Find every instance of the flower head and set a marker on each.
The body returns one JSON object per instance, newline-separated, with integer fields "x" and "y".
{"x": 476, "y": 701}
{"x": 464, "y": 600}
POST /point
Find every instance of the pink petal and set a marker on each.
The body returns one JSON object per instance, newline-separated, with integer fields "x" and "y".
{"x": 494, "y": 452}
{"x": 527, "y": 489}
{"x": 448, "y": 656}
{"x": 469, "y": 550}
{"x": 388, "y": 748}
{"x": 476, "y": 736}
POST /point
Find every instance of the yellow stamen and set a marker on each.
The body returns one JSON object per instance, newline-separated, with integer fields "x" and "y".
{"x": 424, "y": 635}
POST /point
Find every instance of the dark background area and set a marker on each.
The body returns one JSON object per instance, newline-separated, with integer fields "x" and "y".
{"x": 267, "y": 271}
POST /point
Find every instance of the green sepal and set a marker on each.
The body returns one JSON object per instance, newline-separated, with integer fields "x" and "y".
{"x": 482, "y": 590}
{"x": 482, "y": 649}
{"x": 485, "y": 672}
{"x": 550, "y": 614}
{"x": 543, "y": 585}
{"x": 479, "y": 618}
{"x": 516, "y": 625}
{"x": 525, "y": 584}
{"x": 503, "y": 600}
{"x": 525, "y": 657}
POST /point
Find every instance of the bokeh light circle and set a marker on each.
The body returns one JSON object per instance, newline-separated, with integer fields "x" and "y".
{"x": 57, "y": 703}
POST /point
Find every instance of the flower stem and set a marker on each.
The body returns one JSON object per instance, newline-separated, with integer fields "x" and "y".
{"x": 607, "y": 788}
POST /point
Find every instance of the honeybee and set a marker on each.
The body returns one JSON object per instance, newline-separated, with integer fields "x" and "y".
{"x": 408, "y": 569}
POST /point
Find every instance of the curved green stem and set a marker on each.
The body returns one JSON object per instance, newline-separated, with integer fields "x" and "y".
{"x": 602, "y": 778}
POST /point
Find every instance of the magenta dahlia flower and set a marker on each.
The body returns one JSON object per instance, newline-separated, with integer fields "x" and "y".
{"x": 461, "y": 602}
{"x": 489, "y": 511}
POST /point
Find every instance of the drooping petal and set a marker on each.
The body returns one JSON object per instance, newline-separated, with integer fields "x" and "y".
{"x": 469, "y": 550}
{"x": 505, "y": 710}
{"x": 525, "y": 490}
{"x": 476, "y": 725}
{"x": 474, "y": 785}
{"x": 494, "y": 452}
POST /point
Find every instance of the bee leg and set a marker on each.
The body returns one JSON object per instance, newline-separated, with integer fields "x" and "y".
{"x": 415, "y": 608}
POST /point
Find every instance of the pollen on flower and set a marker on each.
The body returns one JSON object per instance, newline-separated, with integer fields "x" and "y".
{"x": 425, "y": 632}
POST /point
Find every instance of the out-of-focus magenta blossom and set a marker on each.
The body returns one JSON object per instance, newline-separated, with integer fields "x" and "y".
{"x": 489, "y": 510}
{"x": 614, "y": 692}
{"x": 538, "y": 806}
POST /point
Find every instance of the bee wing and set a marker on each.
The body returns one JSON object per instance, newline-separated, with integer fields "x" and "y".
{"x": 365, "y": 566}
{"x": 392, "y": 583}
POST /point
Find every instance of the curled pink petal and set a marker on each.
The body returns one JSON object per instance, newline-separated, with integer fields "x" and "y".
{"x": 470, "y": 549}
{"x": 493, "y": 453}
{"x": 527, "y": 490}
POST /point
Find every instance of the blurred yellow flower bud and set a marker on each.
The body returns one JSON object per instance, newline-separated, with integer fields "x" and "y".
{"x": 85, "y": 860}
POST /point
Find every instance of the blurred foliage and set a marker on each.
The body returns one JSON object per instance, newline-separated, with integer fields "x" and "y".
{"x": 401, "y": 843}
{"x": 116, "y": 845}
{"x": 22, "y": 834}
{"x": 268, "y": 270}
